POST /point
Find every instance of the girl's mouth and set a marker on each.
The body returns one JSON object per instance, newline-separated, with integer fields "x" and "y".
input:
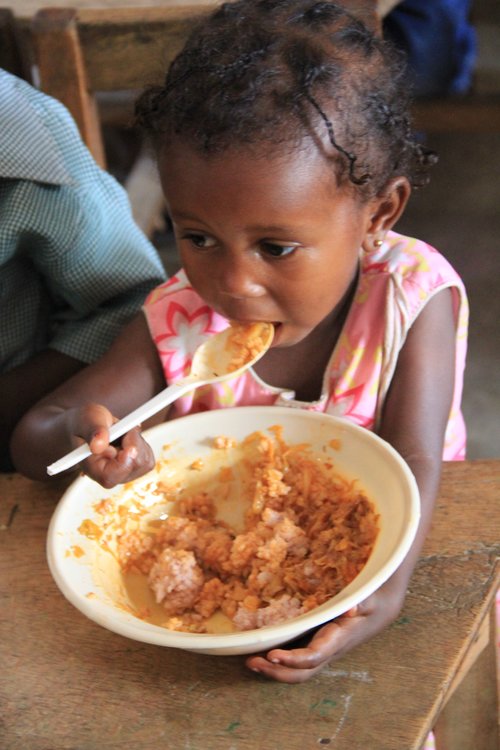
{"x": 277, "y": 333}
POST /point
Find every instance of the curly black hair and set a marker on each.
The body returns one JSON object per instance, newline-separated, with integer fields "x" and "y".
{"x": 273, "y": 72}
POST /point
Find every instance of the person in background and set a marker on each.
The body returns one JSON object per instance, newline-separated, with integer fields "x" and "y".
{"x": 439, "y": 41}
{"x": 74, "y": 268}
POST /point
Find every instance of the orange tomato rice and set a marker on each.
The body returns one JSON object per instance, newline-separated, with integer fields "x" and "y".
{"x": 308, "y": 532}
{"x": 247, "y": 340}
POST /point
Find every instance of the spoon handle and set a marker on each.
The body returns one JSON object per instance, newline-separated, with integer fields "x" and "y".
{"x": 143, "y": 412}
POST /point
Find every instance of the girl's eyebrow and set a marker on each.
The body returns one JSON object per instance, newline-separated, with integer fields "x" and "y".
{"x": 184, "y": 216}
{"x": 266, "y": 229}
{"x": 269, "y": 231}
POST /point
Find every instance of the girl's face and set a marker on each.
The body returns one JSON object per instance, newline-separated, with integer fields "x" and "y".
{"x": 267, "y": 238}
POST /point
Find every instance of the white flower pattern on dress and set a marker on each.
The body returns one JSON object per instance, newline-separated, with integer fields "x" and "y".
{"x": 185, "y": 331}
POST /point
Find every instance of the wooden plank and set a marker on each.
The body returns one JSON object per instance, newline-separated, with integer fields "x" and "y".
{"x": 480, "y": 642}
{"x": 132, "y": 48}
{"x": 470, "y": 718}
{"x": 63, "y": 74}
{"x": 27, "y": 8}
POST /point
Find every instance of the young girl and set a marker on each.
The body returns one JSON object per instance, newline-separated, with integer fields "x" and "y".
{"x": 286, "y": 158}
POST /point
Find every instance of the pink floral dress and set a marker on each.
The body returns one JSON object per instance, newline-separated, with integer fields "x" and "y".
{"x": 395, "y": 283}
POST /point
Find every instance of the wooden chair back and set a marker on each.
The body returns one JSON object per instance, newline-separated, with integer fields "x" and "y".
{"x": 82, "y": 52}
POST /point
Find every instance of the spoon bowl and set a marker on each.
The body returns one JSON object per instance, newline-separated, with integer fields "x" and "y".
{"x": 225, "y": 355}
{"x": 230, "y": 352}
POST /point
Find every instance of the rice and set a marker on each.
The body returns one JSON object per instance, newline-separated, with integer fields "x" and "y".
{"x": 307, "y": 533}
{"x": 247, "y": 340}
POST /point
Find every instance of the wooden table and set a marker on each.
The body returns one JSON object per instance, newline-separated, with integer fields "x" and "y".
{"x": 27, "y": 8}
{"x": 67, "y": 683}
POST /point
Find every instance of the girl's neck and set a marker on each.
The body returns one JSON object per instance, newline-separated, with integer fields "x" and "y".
{"x": 301, "y": 367}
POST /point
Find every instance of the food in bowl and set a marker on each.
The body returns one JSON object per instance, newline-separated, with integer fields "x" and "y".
{"x": 86, "y": 565}
{"x": 305, "y": 532}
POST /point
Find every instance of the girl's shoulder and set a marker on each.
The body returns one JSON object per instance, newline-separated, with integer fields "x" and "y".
{"x": 166, "y": 292}
{"x": 409, "y": 260}
{"x": 409, "y": 272}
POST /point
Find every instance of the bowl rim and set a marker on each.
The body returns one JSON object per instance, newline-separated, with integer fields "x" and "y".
{"x": 131, "y": 626}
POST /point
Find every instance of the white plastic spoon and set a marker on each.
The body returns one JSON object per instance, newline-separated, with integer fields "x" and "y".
{"x": 221, "y": 357}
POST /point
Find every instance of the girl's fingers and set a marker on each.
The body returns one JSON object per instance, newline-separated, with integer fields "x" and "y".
{"x": 136, "y": 451}
{"x": 322, "y": 647}
{"x": 300, "y": 664}
{"x": 127, "y": 456}
{"x": 99, "y": 440}
{"x": 90, "y": 424}
{"x": 279, "y": 672}
{"x": 118, "y": 465}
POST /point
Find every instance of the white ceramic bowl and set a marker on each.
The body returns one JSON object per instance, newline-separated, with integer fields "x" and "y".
{"x": 92, "y": 581}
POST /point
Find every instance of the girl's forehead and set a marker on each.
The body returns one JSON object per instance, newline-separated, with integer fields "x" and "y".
{"x": 253, "y": 189}
{"x": 266, "y": 164}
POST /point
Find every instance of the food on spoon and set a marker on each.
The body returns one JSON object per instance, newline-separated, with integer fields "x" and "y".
{"x": 246, "y": 340}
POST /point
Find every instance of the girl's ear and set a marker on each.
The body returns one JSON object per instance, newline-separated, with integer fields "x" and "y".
{"x": 385, "y": 210}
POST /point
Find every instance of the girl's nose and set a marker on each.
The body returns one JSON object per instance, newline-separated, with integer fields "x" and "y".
{"x": 239, "y": 277}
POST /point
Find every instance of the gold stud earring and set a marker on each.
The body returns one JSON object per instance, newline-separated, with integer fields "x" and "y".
{"x": 378, "y": 243}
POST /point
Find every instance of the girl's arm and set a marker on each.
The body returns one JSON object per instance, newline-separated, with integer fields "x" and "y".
{"x": 418, "y": 407}
{"x": 414, "y": 421}
{"x": 26, "y": 384}
{"x": 84, "y": 407}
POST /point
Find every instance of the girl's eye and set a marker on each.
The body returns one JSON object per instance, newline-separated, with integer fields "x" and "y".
{"x": 200, "y": 240}
{"x": 276, "y": 250}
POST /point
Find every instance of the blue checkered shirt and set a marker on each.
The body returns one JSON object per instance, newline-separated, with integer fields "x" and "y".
{"x": 73, "y": 265}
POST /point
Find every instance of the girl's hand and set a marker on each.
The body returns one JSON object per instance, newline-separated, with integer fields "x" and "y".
{"x": 109, "y": 465}
{"x": 333, "y": 640}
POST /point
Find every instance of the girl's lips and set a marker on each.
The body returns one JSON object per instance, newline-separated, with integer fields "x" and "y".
{"x": 277, "y": 334}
